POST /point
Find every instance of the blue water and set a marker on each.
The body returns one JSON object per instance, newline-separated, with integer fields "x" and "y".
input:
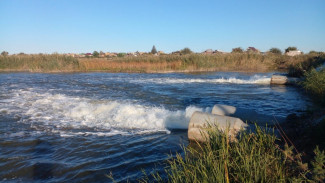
{"x": 81, "y": 127}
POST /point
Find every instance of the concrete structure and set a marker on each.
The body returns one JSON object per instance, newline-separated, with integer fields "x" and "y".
{"x": 208, "y": 52}
{"x": 293, "y": 53}
{"x": 201, "y": 123}
{"x": 246, "y": 115}
{"x": 284, "y": 80}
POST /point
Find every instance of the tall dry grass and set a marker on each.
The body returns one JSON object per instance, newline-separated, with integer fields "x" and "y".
{"x": 201, "y": 62}
{"x": 39, "y": 63}
{"x": 163, "y": 63}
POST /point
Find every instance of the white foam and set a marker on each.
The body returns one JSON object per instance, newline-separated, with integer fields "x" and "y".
{"x": 59, "y": 113}
{"x": 256, "y": 79}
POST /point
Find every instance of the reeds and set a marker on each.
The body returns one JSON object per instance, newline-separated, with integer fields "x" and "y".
{"x": 162, "y": 63}
{"x": 254, "y": 157}
{"x": 202, "y": 62}
{"x": 39, "y": 63}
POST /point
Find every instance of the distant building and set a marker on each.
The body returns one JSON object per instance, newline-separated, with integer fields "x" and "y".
{"x": 294, "y": 53}
{"x": 160, "y": 53}
{"x": 208, "y": 51}
{"x": 108, "y": 54}
{"x": 176, "y": 53}
{"x": 219, "y": 51}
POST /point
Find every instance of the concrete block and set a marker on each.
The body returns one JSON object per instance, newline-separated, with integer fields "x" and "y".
{"x": 284, "y": 80}
{"x": 201, "y": 123}
{"x": 246, "y": 115}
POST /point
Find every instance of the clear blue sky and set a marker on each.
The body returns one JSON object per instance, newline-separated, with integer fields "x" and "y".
{"x": 47, "y": 26}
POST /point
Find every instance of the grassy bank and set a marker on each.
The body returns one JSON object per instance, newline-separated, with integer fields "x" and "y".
{"x": 162, "y": 63}
{"x": 259, "y": 157}
{"x": 39, "y": 63}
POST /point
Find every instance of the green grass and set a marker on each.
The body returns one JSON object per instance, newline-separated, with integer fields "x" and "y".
{"x": 254, "y": 157}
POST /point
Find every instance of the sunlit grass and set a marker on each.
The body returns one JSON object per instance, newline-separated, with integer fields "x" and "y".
{"x": 39, "y": 63}
{"x": 162, "y": 63}
{"x": 254, "y": 157}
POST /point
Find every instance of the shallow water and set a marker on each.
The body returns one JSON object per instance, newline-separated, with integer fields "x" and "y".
{"x": 79, "y": 127}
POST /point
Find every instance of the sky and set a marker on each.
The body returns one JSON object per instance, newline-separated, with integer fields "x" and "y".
{"x": 79, "y": 26}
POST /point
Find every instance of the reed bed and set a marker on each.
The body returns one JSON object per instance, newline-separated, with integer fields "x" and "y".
{"x": 253, "y": 157}
{"x": 191, "y": 62}
{"x": 201, "y": 62}
{"x": 39, "y": 63}
{"x": 162, "y": 63}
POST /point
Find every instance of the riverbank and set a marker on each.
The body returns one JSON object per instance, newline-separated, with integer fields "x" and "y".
{"x": 246, "y": 62}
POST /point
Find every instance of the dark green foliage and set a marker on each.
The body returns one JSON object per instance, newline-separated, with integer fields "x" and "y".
{"x": 276, "y": 51}
{"x": 4, "y": 53}
{"x": 317, "y": 134}
{"x": 186, "y": 51}
{"x": 315, "y": 84}
{"x": 237, "y": 50}
{"x": 308, "y": 63}
{"x": 121, "y": 54}
{"x": 95, "y": 54}
{"x": 153, "y": 50}
{"x": 318, "y": 166}
{"x": 290, "y": 48}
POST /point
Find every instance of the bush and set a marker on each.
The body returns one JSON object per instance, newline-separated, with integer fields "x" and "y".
{"x": 186, "y": 51}
{"x": 315, "y": 84}
{"x": 290, "y": 48}
{"x": 237, "y": 50}
{"x": 121, "y": 54}
{"x": 95, "y": 54}
{"x": 276, "y": 51}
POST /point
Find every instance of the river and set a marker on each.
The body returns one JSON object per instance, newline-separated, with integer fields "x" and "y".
{"x": 80, "y": 127}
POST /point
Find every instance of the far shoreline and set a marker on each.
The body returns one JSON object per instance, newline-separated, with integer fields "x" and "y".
{"x": 141, "y": 72}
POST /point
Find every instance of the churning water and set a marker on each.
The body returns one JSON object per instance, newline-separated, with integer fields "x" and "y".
{"x": 81, "y": 127}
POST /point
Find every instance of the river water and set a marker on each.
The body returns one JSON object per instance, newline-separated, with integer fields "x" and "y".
{"x": 80, "y": 127}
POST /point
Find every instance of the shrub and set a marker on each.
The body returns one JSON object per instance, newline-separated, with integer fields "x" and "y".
{"x": 315, "y": 84}
{"x": 121, "y": 54}
{"x": 276, "y": 51}
{"x": 186, "y": 51}
{"x": 237, "y": 50}
{"x": 95, "y": 54}
{"x": 290, "y": 48}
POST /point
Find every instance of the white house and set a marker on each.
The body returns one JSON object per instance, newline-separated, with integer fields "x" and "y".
{"x": 294, "y": 53}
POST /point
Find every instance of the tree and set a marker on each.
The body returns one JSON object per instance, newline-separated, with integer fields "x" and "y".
{"x": 237, "y": 50}
{"x": 291, "y": 48}
{"x": 153, "y": 50}
{"x": 4, "y": 53}
{"x": 276, "y": 51}
{"x": 95, "y": 54}
{"x": 121, "y": 54}
{"x": 186, "y": 51}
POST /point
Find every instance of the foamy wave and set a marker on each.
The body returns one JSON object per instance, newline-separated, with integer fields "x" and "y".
{"x": 61, "y": 113}
{"x": 256, "y": 79}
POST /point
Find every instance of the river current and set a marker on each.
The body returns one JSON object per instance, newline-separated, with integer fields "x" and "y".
{"x": 81, "y": 127}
